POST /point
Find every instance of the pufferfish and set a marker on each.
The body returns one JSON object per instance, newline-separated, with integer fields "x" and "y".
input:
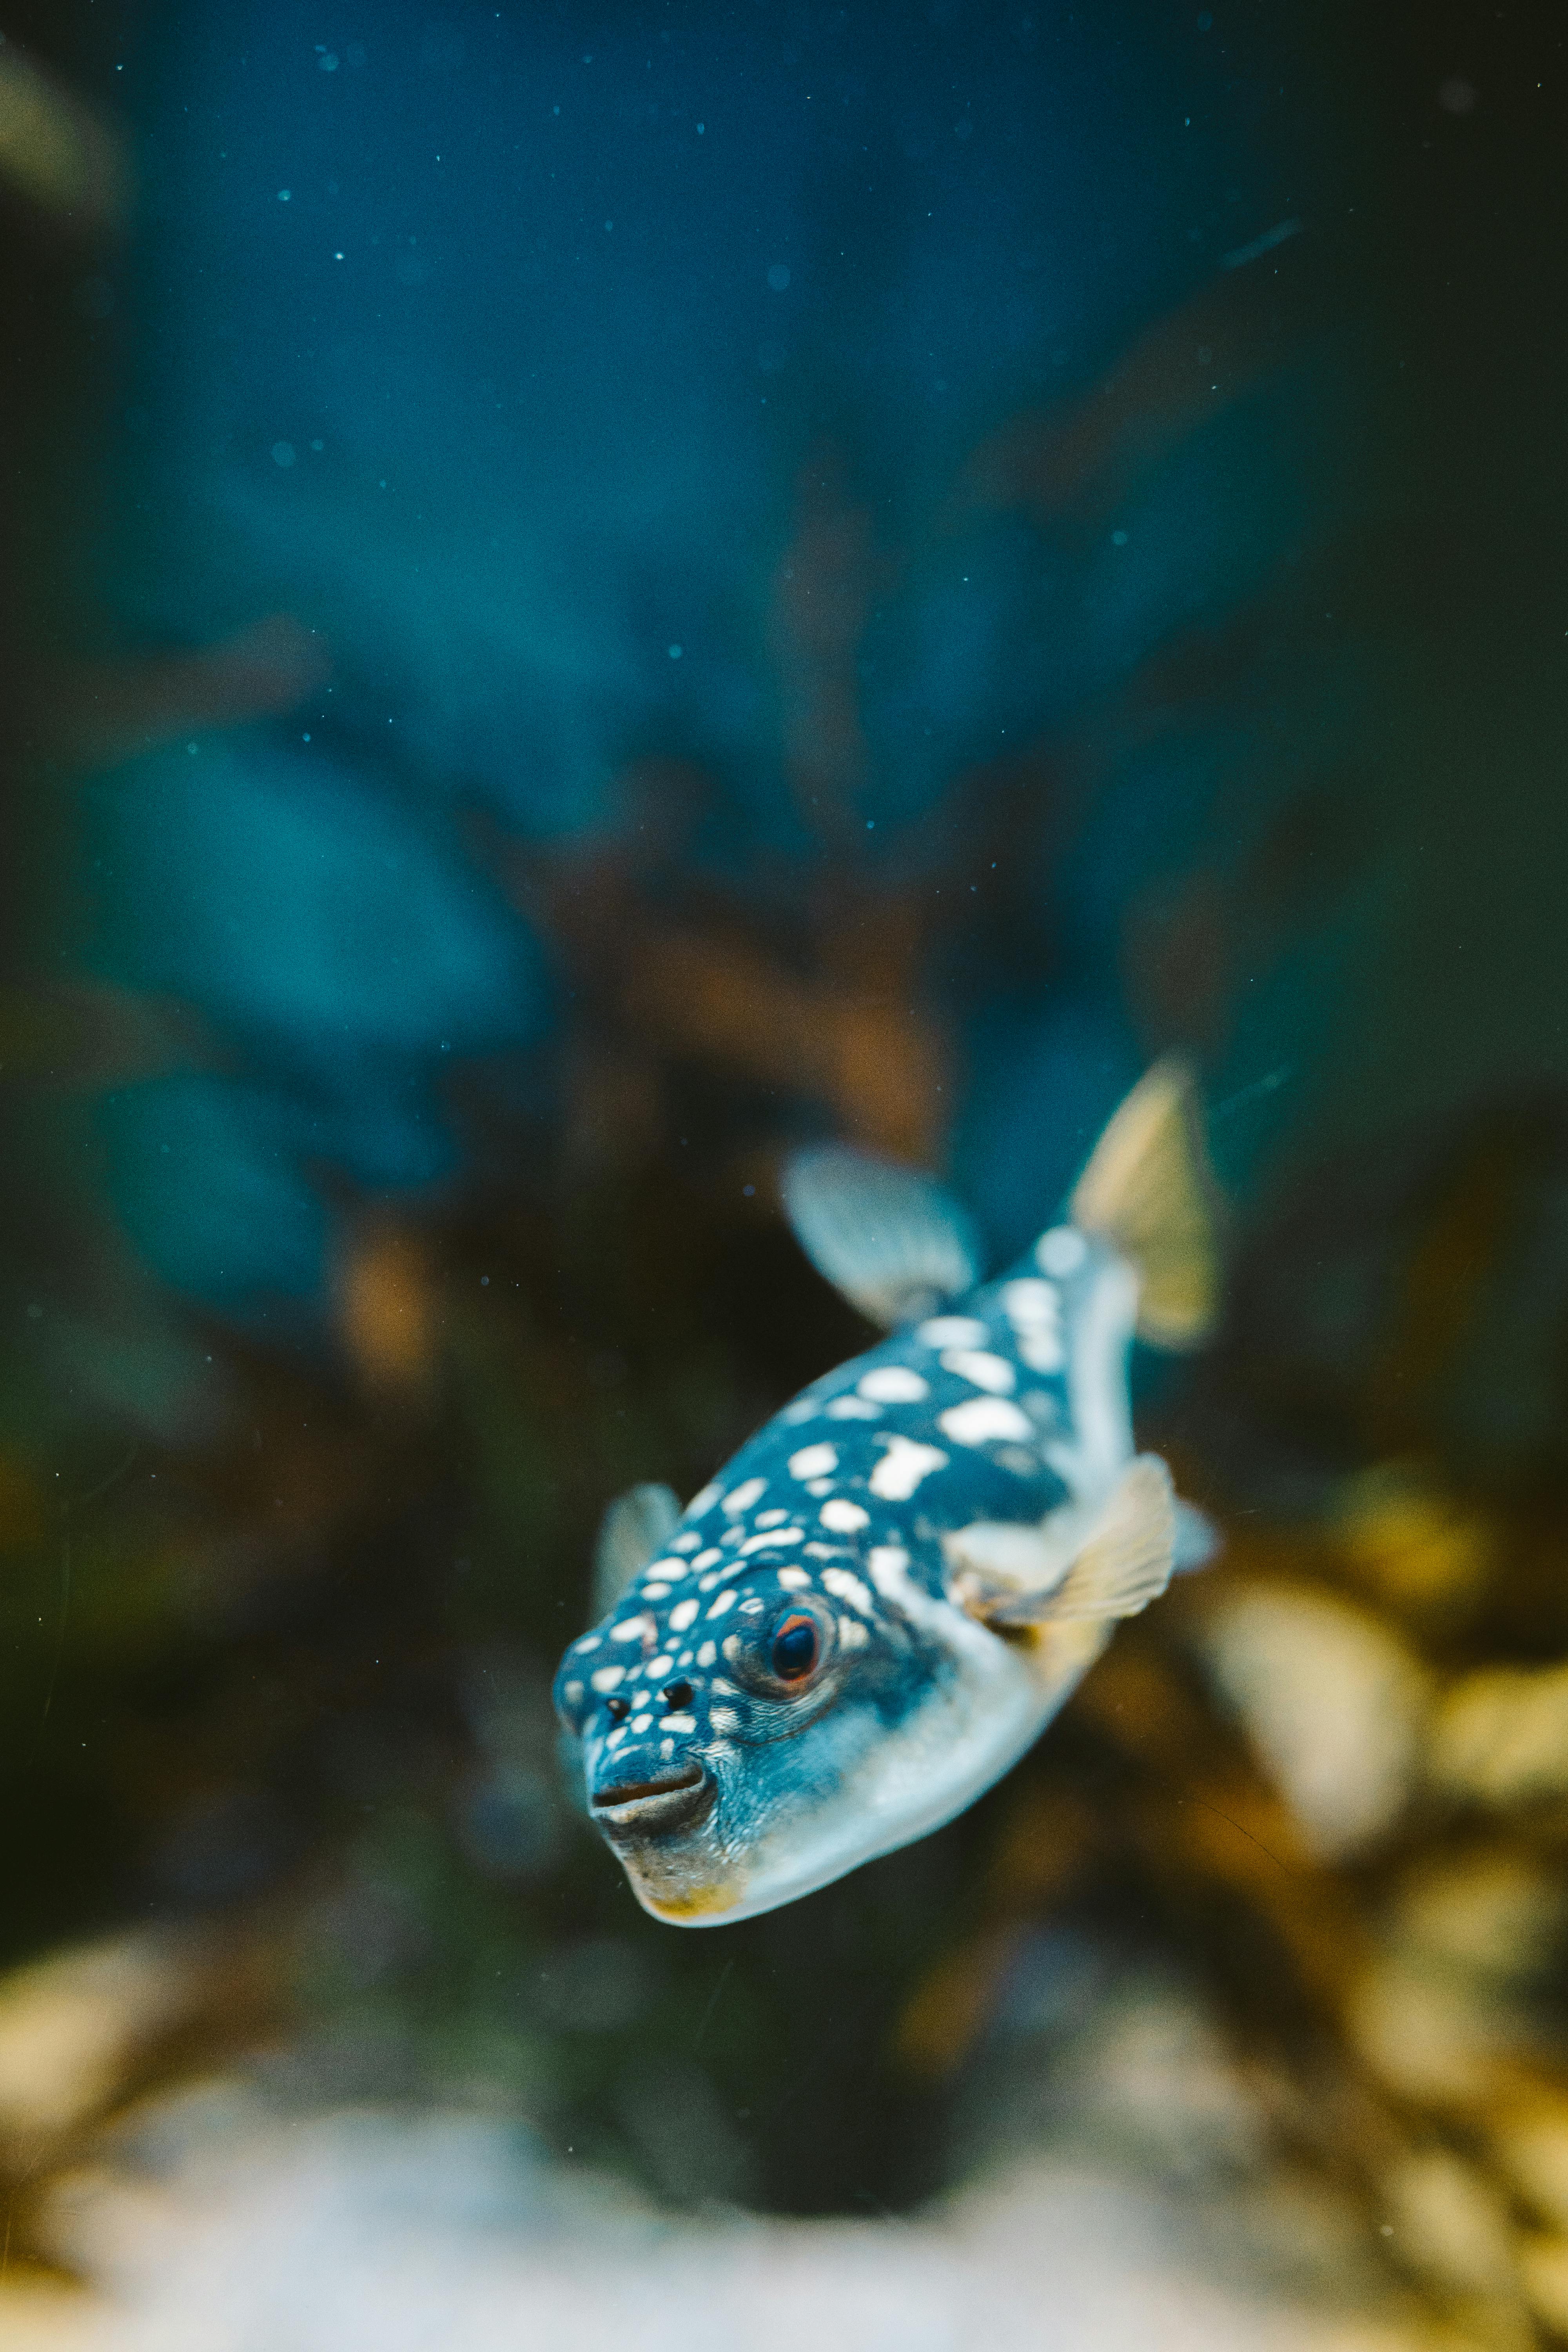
{"x": 878, "y": 1606}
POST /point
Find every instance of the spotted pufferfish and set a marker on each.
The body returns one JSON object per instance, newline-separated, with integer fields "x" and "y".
{"x": 875, "y": 1610}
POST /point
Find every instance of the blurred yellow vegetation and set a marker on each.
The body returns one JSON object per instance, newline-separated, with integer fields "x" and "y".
{"x": 1333, "y": 1703}
{"x": 1296, "y": 1737}
{"x": 387, "y": 1309}
{"x": 1501, "y": 1737}
{"x": 1531, "y": 2148}
{"x": 1412, "y": 1547}
{"x": 23, "y": 1519}
{"x": 57, "y": 150}
{"x": 73, "y": 2027}
{"x": 83, "y": 2028}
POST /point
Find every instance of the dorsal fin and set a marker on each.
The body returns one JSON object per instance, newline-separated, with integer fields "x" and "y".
{"x": 1148, "y": 1189}
{"x": 1117, "y": 1563}
{"x": 888, "y": 1237}
{"x": 634, "y": 1526}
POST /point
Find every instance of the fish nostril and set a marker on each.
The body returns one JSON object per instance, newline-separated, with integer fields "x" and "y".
{"x": 677, "y": 1693}
{"x": 617, "y": 1709}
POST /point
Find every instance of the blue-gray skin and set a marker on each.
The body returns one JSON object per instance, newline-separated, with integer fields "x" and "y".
{"x": 875, "y": 1611}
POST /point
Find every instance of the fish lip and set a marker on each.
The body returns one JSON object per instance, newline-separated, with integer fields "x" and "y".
{"x": 673, "y": 1800}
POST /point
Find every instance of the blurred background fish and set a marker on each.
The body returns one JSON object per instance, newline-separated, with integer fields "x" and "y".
{"x": 590, "y": 601}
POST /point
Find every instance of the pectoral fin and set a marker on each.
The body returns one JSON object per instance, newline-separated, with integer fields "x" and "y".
{"x": 1112, "y": 1565}
{"x": 890, "y": 1238}
{"x": 1198, "y": 1541}
{"x": 634, "y": 1526}
{"x": 1148, "y": 1189}
{"x": 997, "y": 1566}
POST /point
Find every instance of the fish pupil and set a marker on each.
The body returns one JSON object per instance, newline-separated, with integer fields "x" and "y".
{"x": 677, "y": 1693}
{"x": 617, "y": 1709}
{"x": 794, "y": 1649}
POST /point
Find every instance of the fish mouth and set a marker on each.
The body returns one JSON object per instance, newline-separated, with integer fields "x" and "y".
{"x": 672, "y": 1801}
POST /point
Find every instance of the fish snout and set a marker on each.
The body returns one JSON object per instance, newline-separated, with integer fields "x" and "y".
{"x": 667, "y": 1801}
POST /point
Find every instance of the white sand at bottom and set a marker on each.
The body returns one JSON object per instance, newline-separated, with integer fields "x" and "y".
{"x": 223, "y": 2226}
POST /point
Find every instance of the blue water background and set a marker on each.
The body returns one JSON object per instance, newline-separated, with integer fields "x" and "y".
{"x": 492, "y": 347}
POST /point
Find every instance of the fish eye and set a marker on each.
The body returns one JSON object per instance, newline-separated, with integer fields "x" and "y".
{"x": 617, "y": 1709}
{"x": 677, "y": 1693}
{"x": 796, "y": 1646}
{"x": 788, "y": 1654}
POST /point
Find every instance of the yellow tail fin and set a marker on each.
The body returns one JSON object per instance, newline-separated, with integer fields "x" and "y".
{"x": 1149, "y": 1191}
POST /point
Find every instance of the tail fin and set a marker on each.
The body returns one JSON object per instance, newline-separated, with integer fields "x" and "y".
{"x": 1148, "y": 1189}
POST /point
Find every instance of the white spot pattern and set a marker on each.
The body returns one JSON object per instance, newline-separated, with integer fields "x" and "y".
{"x": 952, "y": 1331}
{"x": 774, "y": 1538}
{"x": 682, "y": 1615}
{"x": 893, "y": 1384}
{"x": 1035, "y": 1310}
{"x": 725, "y": 1602}
{"x": 814, "y": 1461}
{"x": 744, "y": 1495}
{"x": 608, "y": 1677}
{"x": 853, "y": 1408}
{"x": 1028, "y": 1302}
{"x": 905, "y": 1463}
{"x": 844, "y": 1516}
{"x": 1061, "y": 1251}
{"x": 982, "y": 1370}
{"x": 846, "y": 1586}
{"x": 979, "y": 1420}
